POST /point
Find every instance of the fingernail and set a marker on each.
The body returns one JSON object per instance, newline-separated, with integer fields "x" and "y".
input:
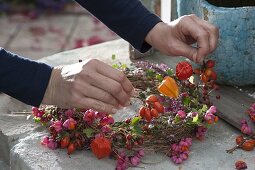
{"x": 114, "y": 110}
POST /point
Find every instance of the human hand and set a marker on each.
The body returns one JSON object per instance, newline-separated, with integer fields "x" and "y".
{"x": 176, "y": 38}
{"x": 89, "y": 84}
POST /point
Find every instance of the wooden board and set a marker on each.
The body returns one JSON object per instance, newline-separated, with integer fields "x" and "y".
{"x": 233, "y": 102}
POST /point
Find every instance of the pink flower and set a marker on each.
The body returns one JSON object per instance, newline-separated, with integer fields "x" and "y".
{"x": 107, "y": 120}
{"x": 176, "y": 159}
{"x": 246, "y": 129}
{"x": 141, "y": 152}
{"x": 135, "y": 160}
{"x": 89, "y": 116}
{"x": 201, "y": 131}
{"x": 70, "y": 124}
{"x": 69, "y": 112}
{"x": 101, "y": 115}
{"x": 184, "y": 156}
{"x": 45, "y": 140}
{"x": 181, "y": 114}
{"x": 52, "y": 144}
{"x": 57, "y": 125}
{"x": 106, "y": 129}
{"x": 212, "y": 110}
{"x": 209, "y": 116}
{"x": 36, "y": 112}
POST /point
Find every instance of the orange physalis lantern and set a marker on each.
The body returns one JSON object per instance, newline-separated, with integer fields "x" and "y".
{"x": 169, "y": 87}
{"x": 101, "y": 147}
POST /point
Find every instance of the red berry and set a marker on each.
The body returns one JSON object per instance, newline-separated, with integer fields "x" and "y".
{"x": 248, "y": 145}
{"x": 240, "y": 165}
{"x": 184, "y": 70}
{"x": 151, "y": 99}
{"x": 154, "y": 113}
{"x": 71, "y": 148}
{"x": 204, "y": 78}
{"x": 64, "y": 142}
{"x": 239, "y": 139}
{"x": 158, "y": 107}
{"x": 208, "y": 72}
{"x": 213, "y": 75}
{"x": 148, "y": 115}
{"x": 142, "y": 111}
{"x": 210, "y": 64}
{"x": 218, "y": 97}
{"x": 129, "y": 137}
{"x": 128, "y": 120}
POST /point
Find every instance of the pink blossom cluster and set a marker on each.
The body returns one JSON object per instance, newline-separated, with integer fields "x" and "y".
{"x": 245, "y": 128}
{"x": 209, "y": 116}
{"x": 251, "y": 112}
{"x": 180, "y": 151}
{"x": 200, "y": 133}
{"x": 124, "y": 161}
{"x": 104, "y": 118}
{"x": 49, "y": 142}
{"x": 181, "y": 114}
{"x": 40, "y": 116}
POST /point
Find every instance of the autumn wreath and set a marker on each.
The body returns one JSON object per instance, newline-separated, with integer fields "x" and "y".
{"x": 175, "y": 109}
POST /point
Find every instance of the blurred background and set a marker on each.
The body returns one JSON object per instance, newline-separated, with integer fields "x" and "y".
{"x": 39, "y": 28}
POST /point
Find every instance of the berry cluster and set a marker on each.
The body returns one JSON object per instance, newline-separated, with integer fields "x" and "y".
{"x": 251, "y": 112}
{"x": 124, "y": 161}
{"x": 152, "y": 109}
{"x": 180, "y": 151}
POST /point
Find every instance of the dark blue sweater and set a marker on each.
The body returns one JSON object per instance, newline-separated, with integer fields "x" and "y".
{"x": 27, "y": 80}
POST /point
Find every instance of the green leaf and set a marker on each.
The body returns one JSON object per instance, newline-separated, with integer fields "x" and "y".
{"x": 159, "y": 77}
{"x": 113, "y": 57}
{"x": 204, "y": 108}
{"x": 37, "y": 119}
{"x": 137, "y": 130}
{"x": 123, "y": 66}
{"x": 169, "y": 72}
{"x": 89, "y": 132}
{"x": 177, "y": 119}
{"x": 115, "y": 66}
{"x": 195, "y": 119}
{"x": 135, "y": 120}
{"x": 186, "y": 101}
{"x": 150, "y": 73}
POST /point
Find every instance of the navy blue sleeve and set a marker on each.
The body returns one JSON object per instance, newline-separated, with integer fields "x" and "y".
{"x": 128, "y": 18}
{"x": 23, "y": 79}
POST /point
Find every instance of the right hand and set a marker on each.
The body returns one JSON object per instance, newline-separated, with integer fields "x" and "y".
{"x": 89, "y": 84}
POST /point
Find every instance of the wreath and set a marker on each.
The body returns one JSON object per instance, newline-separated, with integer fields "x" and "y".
{"x": 176, "y": 108}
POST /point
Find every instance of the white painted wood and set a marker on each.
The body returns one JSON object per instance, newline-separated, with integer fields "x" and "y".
{"x": 166, "y": 10}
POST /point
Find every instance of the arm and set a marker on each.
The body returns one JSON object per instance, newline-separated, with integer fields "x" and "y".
{"x": 23, "y": 79}
{"x": 128, "y": 18}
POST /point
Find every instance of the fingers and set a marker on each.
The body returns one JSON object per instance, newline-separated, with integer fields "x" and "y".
{"x": 200, "y": 34}
{"x": 211, "y": 29}
{"x": 90, "y": 91}
{"x": 118, "y": 76}
{"x": 111, "y": 86}
{"x": 90, "y": 103}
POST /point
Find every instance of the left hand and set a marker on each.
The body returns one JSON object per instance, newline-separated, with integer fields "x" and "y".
{"x": 176, "y": 38}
